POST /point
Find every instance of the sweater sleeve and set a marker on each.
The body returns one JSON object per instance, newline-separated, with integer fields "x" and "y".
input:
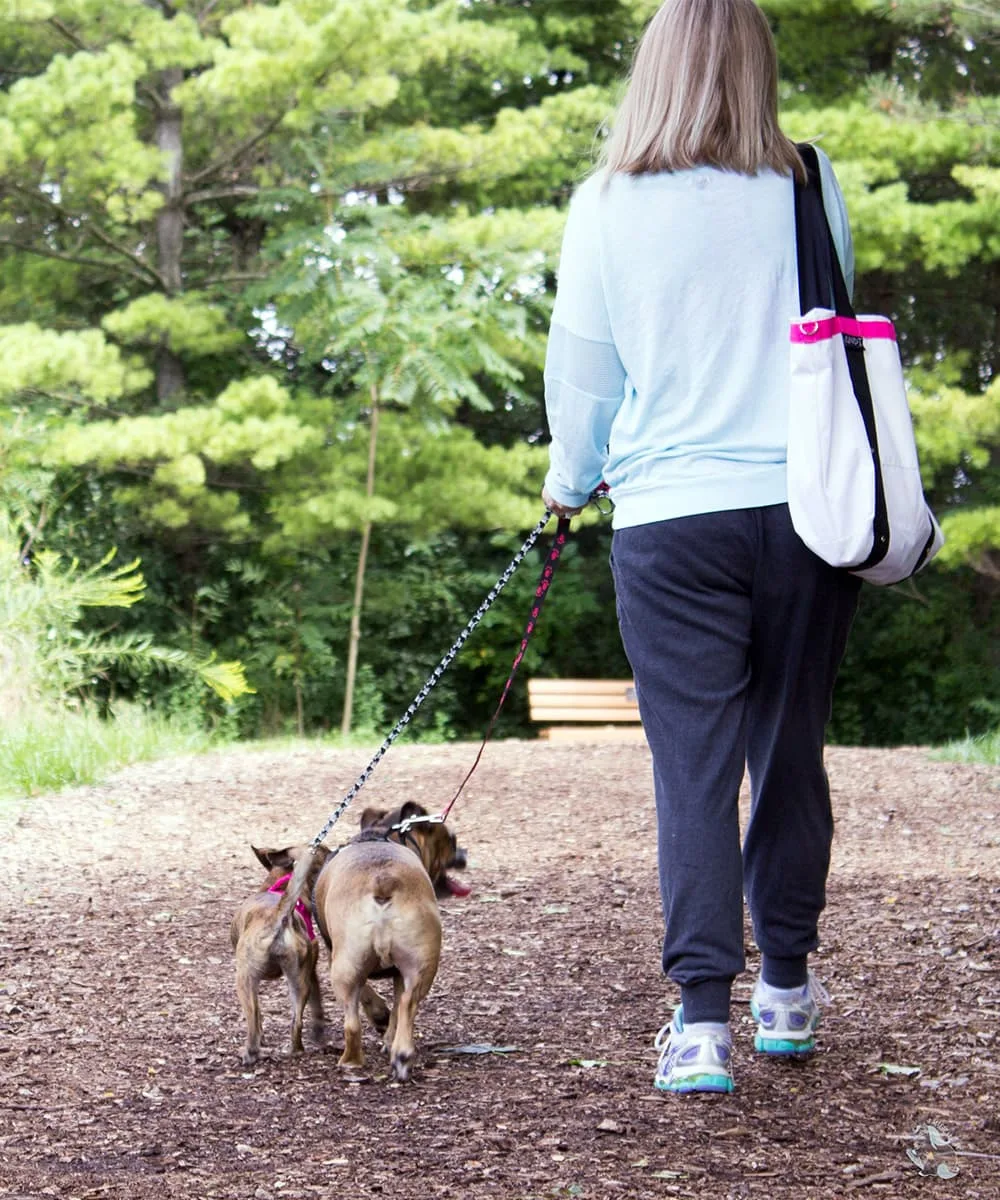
{"x": 584, "y": 377}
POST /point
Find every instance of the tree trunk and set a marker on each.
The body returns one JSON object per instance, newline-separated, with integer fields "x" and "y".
{"x": 170, "y": 223}
{"x": 300, "y": 716}
{"x": 359, "y": 578}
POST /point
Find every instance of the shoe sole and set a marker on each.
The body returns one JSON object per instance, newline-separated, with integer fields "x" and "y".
{"x": 783, "y": 1046}
{"x": 697, "y": 1083}
{"x": 767, "y": 1043}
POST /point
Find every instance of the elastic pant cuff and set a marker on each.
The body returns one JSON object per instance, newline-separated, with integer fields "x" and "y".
{"x": 706, "y": 1001}
{"x": 784, "y": 972}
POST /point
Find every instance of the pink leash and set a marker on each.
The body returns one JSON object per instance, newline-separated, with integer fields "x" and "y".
{"x": 279, "y": 885}
{"x": 562, "y": 534}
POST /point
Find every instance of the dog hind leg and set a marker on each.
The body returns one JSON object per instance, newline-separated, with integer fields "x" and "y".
{"x": 409, "y": 993}
{"x": 389, "y": 1028}
{"x": 389, "y": 1035}
{"x": 246, "y": 990}
{"x": 350, "y": 998}
{"x": 298, "y": 994}
{"x": 316, "y": 1004}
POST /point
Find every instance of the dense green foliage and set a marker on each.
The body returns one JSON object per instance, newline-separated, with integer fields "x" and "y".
{"x": 51, "y": 733}
{"x": 274, "y": 278}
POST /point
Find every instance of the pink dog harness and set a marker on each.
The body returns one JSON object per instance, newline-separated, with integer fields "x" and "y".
{"x": 279, "y": 885}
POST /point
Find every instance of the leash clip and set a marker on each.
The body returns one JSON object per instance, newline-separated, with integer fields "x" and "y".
{"x": 407, "y": 825}
{"x": 600, "y": 498}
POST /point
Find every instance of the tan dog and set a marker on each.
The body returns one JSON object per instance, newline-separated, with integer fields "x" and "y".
{"x": 378, "y": 912}
{"x": 272, "y": 936}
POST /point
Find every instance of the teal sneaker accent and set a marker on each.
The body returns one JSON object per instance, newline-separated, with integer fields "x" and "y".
{"x": 694, "y": 1058}
{"x": 787, "y": 1018}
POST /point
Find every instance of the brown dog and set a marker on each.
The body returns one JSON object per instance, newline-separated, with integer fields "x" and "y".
{"x": 272, "y": 936}
{"x": 378, "y": 912}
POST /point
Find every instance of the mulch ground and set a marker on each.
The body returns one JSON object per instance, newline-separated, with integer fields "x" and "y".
{"x": 120, "y": 1033}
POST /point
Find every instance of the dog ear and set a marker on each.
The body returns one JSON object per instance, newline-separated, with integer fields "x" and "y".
{"x": 412, "y": 809}
{"x": 275, "y": 858}
{"x": 371, "y": 816}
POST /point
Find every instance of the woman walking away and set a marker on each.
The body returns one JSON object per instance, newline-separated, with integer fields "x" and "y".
{"x": 667, "y": 376}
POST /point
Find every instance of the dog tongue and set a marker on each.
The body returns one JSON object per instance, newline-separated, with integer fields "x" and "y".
{"x": 456, "y": 888}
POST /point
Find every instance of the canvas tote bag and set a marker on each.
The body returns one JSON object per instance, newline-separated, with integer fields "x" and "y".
{"x": 854, "y": 489}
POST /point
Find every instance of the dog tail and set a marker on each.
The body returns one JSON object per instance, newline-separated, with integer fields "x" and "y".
{"x": 384, "y": 887}
{"x": 296, "y": 887}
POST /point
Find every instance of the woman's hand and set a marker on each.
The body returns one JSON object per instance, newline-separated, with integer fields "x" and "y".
{"x": 561, "y": 510}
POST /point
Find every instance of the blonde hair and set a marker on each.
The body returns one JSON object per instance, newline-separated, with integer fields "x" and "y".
{"x": 703, "y": 92}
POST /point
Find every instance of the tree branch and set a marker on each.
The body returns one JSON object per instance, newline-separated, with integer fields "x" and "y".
{"x": 90, "y": 228}
{"x": 235, "y": 277}
{"x": 76, "y": 401}
{"x": 428, "y": 178}
{"x": 235, "y": 191}
{"x": 148, "y": 90}
{"x": 240, "y": 150}
{"x": 268, "y": 129}
{"x": 79, "y": 259}
{"x": 34, "y": 533}
{"x": 980, "y": 12}
{"x": 139, "y": 261}
{"x": 206, "y": 11}
{"x": 68, "y": 34}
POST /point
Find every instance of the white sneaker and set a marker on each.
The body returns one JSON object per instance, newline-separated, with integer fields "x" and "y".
{"x": 787, "y": 1018}
{"x": 694, "y": 1058}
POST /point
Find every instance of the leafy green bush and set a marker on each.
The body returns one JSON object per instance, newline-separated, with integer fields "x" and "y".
{"x": 48, "y": 659}
{"x": 922, "y": 665}
{"x": 52, "y": 732}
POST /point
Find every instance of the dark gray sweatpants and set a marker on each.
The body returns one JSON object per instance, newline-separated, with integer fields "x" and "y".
{"x": 734, "y": 631}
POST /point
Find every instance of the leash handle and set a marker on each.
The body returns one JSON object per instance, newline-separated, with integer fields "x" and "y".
{"x": 436, "y": 674}
{"x": 562, "y": 535}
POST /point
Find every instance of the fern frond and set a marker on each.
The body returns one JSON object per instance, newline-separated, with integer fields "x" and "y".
{"x": 227, "y": 679}
{"x": 139, "y": 653}
{"x": 66, "y": 587}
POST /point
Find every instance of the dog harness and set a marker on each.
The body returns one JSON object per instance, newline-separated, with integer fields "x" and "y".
{"x": 279, "y": 885}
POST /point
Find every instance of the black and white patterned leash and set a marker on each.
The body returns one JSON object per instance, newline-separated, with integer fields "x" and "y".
{"x": 544, "y": 583}
{"x": 433, "y": 678}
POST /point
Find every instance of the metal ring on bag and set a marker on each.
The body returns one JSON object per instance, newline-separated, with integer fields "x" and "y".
{"x": 809, "y": 328}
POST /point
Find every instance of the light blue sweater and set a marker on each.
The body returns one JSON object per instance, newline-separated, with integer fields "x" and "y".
{"x": 667, "y": 366}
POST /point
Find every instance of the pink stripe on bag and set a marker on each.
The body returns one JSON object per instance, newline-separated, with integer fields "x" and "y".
{"x": 828, "y": 327}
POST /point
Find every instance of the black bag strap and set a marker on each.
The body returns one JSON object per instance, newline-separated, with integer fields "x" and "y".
{"x": 822, "y": 285}
{"x": 821, "y": 277}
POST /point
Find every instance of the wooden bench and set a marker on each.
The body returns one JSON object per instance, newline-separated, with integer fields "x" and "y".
{"x": 599, "y": 709}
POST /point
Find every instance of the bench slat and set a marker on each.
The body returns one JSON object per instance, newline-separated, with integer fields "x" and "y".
{"x": 606, "y": 702}
{"x": 594, "y": 733}
{"x": 570, "y": 700}
{"x": 585, "y": 687}
{"x": 606, "y": 715}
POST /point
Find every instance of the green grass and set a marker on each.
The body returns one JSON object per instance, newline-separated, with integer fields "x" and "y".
{"x": 45, "y": 751}
{"x": 983, "y": 748}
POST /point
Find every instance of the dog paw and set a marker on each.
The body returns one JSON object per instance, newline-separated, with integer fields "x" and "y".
{"x": 399, "y": 1067}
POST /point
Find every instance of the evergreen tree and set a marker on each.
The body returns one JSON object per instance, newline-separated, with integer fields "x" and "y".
{"x": 274, "y": 279}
